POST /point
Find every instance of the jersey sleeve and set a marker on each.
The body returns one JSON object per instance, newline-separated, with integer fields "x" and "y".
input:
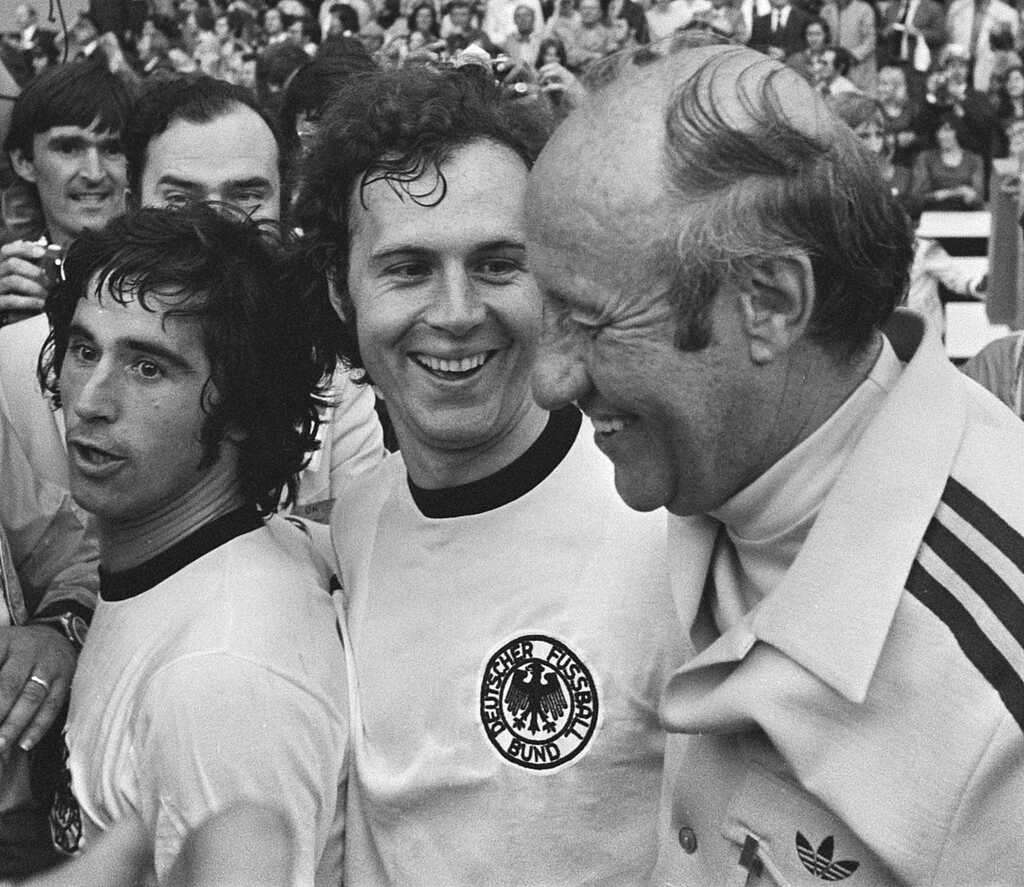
{"x": 216, "y": 729}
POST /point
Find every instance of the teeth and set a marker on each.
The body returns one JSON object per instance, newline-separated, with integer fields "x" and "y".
{"x": 463, "y": 365}
{"x": 608, "y": 426}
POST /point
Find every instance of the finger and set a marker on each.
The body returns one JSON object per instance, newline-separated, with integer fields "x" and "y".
{"x": 21, "y": 305}
{"x": 44, "y": 717}
{"x": 118, "y": 859}
{"x": 13, "y": 674}
{"x": 13, "y": 266}
{"x": 33, "y": 694}
{"x": 25, "y": 249}
{"x": 35, "y": 286}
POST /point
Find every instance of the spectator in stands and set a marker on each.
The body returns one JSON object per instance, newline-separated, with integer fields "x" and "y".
{"x": 422, "y": 20}
{"x": 828, "y": 71}
{"x": 816, "y": 39}
{"x": 852, "y": 25}
{"x": 499, "y": 19}
{"x": 905, "y": 23}
{"x": 82, "y": 38}
{"x": 971, "y": 24}
{"x": 932, "y": 265}
{"x": 560, "y": 23}
{"x": 342, "y": 21}
{"x": 458, "y": 19}
{"x": 303, "y": 32}
{"x": 64, "y": 144}
{"x": 900, "y": 112}
{"x": 633, "y": 13}
{"x": 523, "y": 44}
{"x": 309, "y": 92}
{"x": 590, "y": 39}
{"x": 665, "y": 17}
{"x": 947, "y": 177}
{"x": 33, "y": 39}
{"x": 273, "y": 27}
{"x": 551, "y": 51}
{"x": 949, "y": 91}
{"x": 1010, "y": 114}
{"x": 275, "y": 67}
{"x": 866, "y": 117}
{"x": 780, "y": 32}
{"x": 725, "y": 18}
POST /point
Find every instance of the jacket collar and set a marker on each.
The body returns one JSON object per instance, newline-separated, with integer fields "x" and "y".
{"x": 832, "y": 611}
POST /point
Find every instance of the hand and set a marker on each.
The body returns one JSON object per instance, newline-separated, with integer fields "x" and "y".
{"x": 36, "y": 667}
{"x": 23, "y": 282}
{"x": 556, "y": 80}
{"x": 777, "y": 53}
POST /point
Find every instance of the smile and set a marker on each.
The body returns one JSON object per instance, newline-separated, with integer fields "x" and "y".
{"x": 91, "y": 197}
{"x": 461, "y": 367}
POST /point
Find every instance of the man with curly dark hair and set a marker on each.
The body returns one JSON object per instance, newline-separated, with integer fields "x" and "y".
{"x": 214, "y": 671}
{"x": 505, "y": 611}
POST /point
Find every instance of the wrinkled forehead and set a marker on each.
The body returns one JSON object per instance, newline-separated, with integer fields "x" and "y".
{"x": 611, "y": 152}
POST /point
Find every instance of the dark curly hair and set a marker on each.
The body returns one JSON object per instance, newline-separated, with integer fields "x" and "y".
{"x": 394, "y": 126}
{"x": 212, "y": 263}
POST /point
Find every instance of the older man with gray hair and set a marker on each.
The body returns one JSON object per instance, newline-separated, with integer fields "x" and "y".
{"x": 720, "y": 264}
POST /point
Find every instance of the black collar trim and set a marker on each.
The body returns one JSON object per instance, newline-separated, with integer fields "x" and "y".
{"x": 509, "y": 483}
{"x": 135, "y": 580}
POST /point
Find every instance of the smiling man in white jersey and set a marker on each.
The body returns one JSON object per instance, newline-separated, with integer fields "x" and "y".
{"x": 506, "y": 615}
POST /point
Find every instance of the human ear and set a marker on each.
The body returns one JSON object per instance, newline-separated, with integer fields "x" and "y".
{"x": 24, "y": 167}
{"x": 335, "y": 297}
{"x": 776, "y": 305}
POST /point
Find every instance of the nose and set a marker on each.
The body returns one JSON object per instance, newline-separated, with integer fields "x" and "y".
{"x": 559, "y": 371}
{"x": 92, "y": 394}
{"x": 92, "y": 165}
{"x": 456, "y": 306}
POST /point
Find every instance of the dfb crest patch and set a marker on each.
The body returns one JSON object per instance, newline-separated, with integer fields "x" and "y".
{"x": 538, "y": 702}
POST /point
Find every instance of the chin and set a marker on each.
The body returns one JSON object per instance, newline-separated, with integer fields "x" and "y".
{"x": 641, "y": 495}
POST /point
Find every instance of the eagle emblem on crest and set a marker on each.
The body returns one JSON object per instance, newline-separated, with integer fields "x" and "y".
{"x": 538, "y": 703}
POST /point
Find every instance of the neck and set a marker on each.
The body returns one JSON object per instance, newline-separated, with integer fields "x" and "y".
{"x": 435, "y": 468}
{"x": 125, "y": 544}
{"x": 803, "y": 405}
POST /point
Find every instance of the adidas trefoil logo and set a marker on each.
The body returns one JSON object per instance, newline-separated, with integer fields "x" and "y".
{"x": 819, "y": 862}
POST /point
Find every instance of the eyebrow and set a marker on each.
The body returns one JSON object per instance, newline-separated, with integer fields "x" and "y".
{"x": 419, "y": 250}
{"x": 247, "y": 184}
{"x": 73, "y": 140}
{"x": 67, "y": 141}
{"x": 176, "y": 182}
{"x": 145, "y": 346}
{"x": 235, "y": 184}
